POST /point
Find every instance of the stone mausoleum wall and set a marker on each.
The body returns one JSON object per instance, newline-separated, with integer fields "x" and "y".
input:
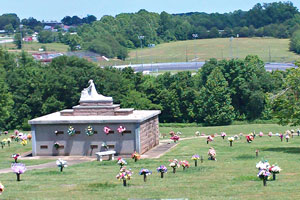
{"x": 81, "y": 143}
{"x": 149, "y": 134}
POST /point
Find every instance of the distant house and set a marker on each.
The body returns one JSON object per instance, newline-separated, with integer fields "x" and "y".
{"x": 27, "y": 39}
{"x": 48, "y": 28}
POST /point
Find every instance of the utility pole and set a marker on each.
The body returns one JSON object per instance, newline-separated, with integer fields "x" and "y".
{"x": 231, "y": 53}
{"x": 141, "y": 37}
{"x": 195, "y": 36}
{"x": 269, "y": 54}
{"x": 21, "y": 26}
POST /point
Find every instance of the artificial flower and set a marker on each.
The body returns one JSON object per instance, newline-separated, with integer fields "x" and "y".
{"x": 106, "y": 130}
{"x": 231, "y": 139}
{"x": 162, "y": 169}
{"x": 71, "y": 130}
{"x": 61, "y": 164}
{"x": 270, "y": 134}
{"x": 135, "y": 156}
{"x": 195, "y": 157}
{"x": 175, "y": 138}
{"x": 261, "y": 134}
{"x": 1, "y": 188}
{"x": 121, "y": 129}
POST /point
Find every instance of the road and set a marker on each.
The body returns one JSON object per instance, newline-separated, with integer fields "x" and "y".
{"x": 6, "y": 41}
{"x": 181, "y": 66}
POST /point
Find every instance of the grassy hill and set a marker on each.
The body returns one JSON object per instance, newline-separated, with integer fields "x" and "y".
{"x": 32, "y": 47}
{"x": 268, "y": 49}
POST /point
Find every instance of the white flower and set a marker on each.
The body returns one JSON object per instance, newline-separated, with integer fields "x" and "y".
{"x": 262, "y": 165}
{"x": 275, "y": 169}
{"x": 61, "y": 163}
{"x": 231, "y": 139}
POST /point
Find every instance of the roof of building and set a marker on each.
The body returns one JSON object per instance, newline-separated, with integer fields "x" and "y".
{"x": 56, "y": 118}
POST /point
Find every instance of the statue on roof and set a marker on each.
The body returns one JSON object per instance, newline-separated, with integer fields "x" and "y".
{"x": 90, "y": 94}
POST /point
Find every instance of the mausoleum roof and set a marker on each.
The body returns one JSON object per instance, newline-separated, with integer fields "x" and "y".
{"x": 137, "y": 116}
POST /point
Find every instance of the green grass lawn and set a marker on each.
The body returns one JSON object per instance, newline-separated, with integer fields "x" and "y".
{"x": 15, "y": 147}
{"x": 31, "y": 47}
{"x": 268, "y": 49}
{"x": 232, "y": 176}
{"x": 232, "y": 129}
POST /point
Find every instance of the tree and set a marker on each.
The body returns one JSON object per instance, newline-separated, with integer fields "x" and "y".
{"x": 46, "y": 37}
{"x": 286, "y": 104}
{"x": 74, "y": 42}
{"x": 18, "y": 40}
{"x": 6, "y": 102}
{"x": 9, "y": 29}
{"x": 214, "y": 32}
{"x": 295, "y": 42}
{"x": 216, "y": 102}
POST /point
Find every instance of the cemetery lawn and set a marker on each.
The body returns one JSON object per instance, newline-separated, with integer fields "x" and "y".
{"x": 232, "y": 129}
{"x": 16, "y": 147}
{"x": 232, "y": 176}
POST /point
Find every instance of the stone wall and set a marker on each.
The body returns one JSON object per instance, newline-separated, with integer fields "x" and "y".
{"x": 80, "y": 143}
{"x": 149, "y": 134}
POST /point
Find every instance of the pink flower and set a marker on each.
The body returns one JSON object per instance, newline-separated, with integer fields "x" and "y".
{"x": 121, "y": 129}
{"x": 18, "y": 168}
{"x": 106, "y": 129}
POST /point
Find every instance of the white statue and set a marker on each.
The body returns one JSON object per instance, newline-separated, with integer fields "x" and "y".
{"x": 90, "y": 94}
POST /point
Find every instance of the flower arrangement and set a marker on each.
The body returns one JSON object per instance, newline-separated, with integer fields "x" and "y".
{"x": 264, "y": 174}
{"x": 16, "y": 156}
{"x": 178, "y": 133}
{"x": 212, "y": 154}
{"x": 24, "y": 142}
{"x": 29, "y": 137}
{"x": 261, "y": 134}
{"x": 184, "y": 164}
{"x": 172, "y": 133}
{"x": 263, "y": 164}
{"x": 105, "y": 146}
{"x": 250, "y": 137}
{"x": 175, "y": 138}
{"x": 197, "y": 133}
{"x": 12, "y": 137}
{"x": 1, "y": 188}
{"x": 274, "y": 169}
{"x": 287, "y": 137}
{"x": 162, "y": 169}
{"x": 16, "y": 132}
{"x": 209, "y": 139}
{"x": 270, "y": 134}
{"x": 202, "y": 134}
{"x": 135, "y": 156}
{"x": 124, "y": 174}
{"x": 145, "y": 173}
{"x": 3, "y": 142}
{"x": 241, "y": 134}
{"x": 89, "y": 131}
{"x": 195, "y": 157}
{"x": 223, "y": 135}
{"x": 5, "y": 132}
{"x": 281, "y": 136}
{"x": 231, "y": 139}
{"x": 61, "y": 164}
{"x": 121, "y": 162}
{"x": 56, "y": 145}
{"x": 106, "y": 130}
{"x": 18, "y": 169}
{"x": 71, "y": 130}
{"x": 121, "y": 129}
{"x": 174, "y": 164}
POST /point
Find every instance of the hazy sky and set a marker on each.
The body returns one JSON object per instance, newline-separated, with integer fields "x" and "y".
{"x": 57, "y": 9}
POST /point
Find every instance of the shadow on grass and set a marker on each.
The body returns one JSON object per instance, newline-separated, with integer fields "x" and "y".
{"x": 36, "y": 172}
{"x": 97, "y": 186}
{"x": 284, "y": 149}
{"x": 245, "y": 157}
{"x": 246, "y": 178}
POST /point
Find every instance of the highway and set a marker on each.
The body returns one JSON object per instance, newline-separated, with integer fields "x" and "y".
{"x": 181, "y": 66}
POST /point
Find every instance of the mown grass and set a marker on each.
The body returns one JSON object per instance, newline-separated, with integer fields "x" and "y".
{"x": 268, "y": 49}
{"x": 232, "y": 176}
{"x": 16, "y": 147}
{"x": 32, "y": 47}
{"x": 232, "y": 129}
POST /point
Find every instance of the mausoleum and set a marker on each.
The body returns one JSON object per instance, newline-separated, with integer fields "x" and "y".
{"x": 94, "y": 123}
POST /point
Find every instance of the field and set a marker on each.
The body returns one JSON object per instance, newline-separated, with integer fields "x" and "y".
{"x": 232, "y": 176}
{"x": 33, "y": 47}
{"x": 268, "y": 49}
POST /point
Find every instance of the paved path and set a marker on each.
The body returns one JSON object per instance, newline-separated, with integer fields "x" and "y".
{"x": 160, "y": 150}
{"x": 52, "y": 164}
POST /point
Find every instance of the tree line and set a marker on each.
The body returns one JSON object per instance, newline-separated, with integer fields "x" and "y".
{"x": 113, "y": 36}
{"x": 220, "y": 92}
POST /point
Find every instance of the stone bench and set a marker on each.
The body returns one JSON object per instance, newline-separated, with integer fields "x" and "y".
{"x": 110, "y": 153}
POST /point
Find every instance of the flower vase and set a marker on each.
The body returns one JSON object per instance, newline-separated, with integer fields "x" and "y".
{"x": 145, "y": 177}
{"x": 18, "y": 177}
{"x": 16, "y": 160}
{"x": 287, "y": 139}
{"x": 174, "y": 170}
{"x": 207, "y": 141}
{"x": 61, "y": 168}
{"x": 231, "y": 143}
{"x": 196, "y": 163}
{"x": 274, "y": 176}
{"x": 124, "y": 183}
{"x": 223, "y": 137}
{"x": 135, "y": 159}
{"x": 298, "y": 134}
{"x": 201, "y": 159}
{"x": 161, "y": 175}
{"x": 183, "y": 168}
{"x": 265, "y": 181}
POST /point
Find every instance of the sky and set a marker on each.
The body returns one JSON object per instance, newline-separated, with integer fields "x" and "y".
{"x": 58, "y": 9}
